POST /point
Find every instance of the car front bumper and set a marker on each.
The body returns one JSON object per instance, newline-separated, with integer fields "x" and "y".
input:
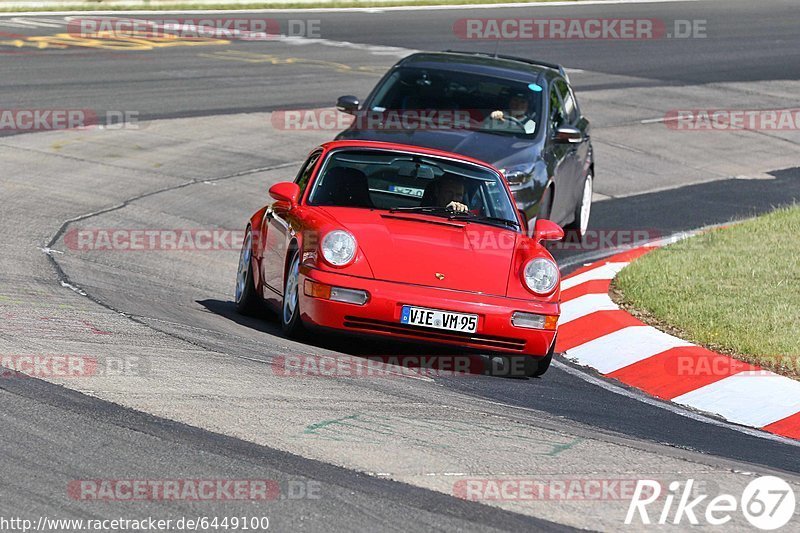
{"x": 380, "y": 315}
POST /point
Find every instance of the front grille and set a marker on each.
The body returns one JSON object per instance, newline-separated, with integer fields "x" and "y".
{"x": 423, "y": 333}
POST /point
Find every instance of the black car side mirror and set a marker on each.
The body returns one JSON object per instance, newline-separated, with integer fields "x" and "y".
{"x": 348, "y": 104}
{"x": 568, "y": 135}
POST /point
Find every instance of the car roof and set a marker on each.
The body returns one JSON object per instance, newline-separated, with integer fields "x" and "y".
{"x": 382, "y": 145}
{"x": 499, "y": 66}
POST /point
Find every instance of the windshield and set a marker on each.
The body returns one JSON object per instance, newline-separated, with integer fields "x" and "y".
{"x": 394, "y": 181}
{"x": 493, "y": 105}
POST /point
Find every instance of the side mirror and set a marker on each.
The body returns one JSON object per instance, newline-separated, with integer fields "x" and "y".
{"x": 348, "y": 104}
{"x": 547, "y": 230}
{"x": 568, "y": 135}
{"x": 285, "y": 191}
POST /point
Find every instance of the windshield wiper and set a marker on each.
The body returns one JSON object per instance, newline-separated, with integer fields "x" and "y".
{"x": 427, "y": 209}
{"x": 483, "y": 218}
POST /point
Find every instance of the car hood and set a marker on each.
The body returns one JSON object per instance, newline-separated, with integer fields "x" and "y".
{"x": 413, "y": 248}
{"x": 501, "y": 151}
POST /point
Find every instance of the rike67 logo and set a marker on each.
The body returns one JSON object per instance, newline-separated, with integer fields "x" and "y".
{"x": 768, "y": 503}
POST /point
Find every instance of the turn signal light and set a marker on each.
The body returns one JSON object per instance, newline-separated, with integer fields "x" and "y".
{"x": 337, "y": 294}
{"x": 534, "y": 321}
{"x": 316, "y": 290}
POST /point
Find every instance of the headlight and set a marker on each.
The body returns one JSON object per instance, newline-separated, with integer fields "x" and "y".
{"x": 541, "y": 275}
{"x": 517, "y": 174}
{"x": 338, "y": 247}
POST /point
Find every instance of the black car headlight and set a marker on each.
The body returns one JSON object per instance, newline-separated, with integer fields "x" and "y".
{"x": 516, "y": 175}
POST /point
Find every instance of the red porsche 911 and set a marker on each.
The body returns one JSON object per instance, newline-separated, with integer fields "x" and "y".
{"x": 404, "y": 242}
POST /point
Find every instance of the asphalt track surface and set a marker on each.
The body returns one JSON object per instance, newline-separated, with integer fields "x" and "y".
{"x": 747, "y": 41}
{"x": 52, "y": 435}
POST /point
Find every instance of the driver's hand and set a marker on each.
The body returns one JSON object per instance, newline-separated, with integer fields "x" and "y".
{"x": 497, "y": 115}
{"x": 458, "y": 207}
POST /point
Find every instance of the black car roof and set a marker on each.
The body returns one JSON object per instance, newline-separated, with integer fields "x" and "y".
{"x": 501, "y": 66}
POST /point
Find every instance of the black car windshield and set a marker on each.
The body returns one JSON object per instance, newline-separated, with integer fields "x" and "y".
{"x": 405, "y": 182}
{"x": 488, "y": 104}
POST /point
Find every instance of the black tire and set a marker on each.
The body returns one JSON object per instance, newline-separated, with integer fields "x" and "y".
{"x": 576, "y": 230}
{"x": 291, "y": 324}
{"x": 526, "y": 366}
{"x": 245, "y": 295}
{"x": 543, "y": 364}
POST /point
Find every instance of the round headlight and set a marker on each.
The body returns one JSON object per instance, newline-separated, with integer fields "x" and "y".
{"x": 338, "y": 247}
{"x": 541, "y": 275}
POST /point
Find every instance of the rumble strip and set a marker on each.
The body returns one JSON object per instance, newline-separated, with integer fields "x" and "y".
{"x": 595, "y": 332}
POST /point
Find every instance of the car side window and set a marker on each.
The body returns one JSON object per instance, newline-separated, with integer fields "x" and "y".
{"x": 557, "y": 114}
{"x": 570, "y": 110}
{"x": 305, "y": 173}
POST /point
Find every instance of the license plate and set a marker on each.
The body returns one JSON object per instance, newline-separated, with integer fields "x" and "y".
{"x": 434, "y": 318}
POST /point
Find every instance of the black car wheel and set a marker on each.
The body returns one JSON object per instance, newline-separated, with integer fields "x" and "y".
{"x": 525, "y": 366}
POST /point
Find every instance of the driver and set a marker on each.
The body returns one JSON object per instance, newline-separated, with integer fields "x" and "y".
{"x": 517, "y": 113}
{"x": 448, "y": 192}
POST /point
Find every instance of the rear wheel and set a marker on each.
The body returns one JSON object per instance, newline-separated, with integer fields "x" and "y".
{"x": 583, "y": 211}
{"x": 246, "y": 297}
{"x": 291, "y": 324}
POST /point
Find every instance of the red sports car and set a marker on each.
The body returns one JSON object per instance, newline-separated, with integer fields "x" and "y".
{"x": 404, "y": 242}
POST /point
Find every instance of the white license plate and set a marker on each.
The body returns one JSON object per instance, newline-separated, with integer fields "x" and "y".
{"x": 433, "y": 318}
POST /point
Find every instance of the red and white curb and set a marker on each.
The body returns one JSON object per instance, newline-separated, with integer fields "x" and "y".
{"x": 595, "y": 332}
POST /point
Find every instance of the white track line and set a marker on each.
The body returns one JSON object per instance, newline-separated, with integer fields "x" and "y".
{"x": 607, "y": 271}
{"x": 374, "y": 9}
{"x": 585, "y": 305}
{"x": 623, "y": 347}
{"x": 753, "y": 398}
{"x": 678, "y": 410}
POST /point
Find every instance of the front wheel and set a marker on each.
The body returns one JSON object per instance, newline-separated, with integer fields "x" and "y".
{"x": 525, "y": 366}
{"x": 291, "y": 324}
{"x": 544, "y": 363}
{"x": 583, "y": 211}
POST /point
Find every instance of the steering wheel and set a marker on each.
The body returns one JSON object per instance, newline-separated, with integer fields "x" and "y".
{"x": 515, "y": 120}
